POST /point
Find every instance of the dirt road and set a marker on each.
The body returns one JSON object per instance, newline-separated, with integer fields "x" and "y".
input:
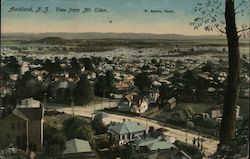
{"x": 209, "y": 145}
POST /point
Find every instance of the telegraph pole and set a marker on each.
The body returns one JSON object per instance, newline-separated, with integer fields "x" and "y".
{"x": 72, "y": 106}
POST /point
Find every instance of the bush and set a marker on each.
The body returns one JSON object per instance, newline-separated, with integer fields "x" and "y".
{"x": 190, "y": 124}
{"x": 98, "y": 125}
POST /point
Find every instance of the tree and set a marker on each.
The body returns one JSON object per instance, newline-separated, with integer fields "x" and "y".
{"x": 32, "y": 87}
{"x": 109, "y": 81}
{"x": 211, "y": 17}
{"x": 127, "y": 151}
{"x": 142, "y": 81}
{"x": 83, "y": 93}
{"x": 12, "y": 64}
{"x": 54, "y": 142}
{"x": 208, "y": 67}
{"x": 87, "y": 63}
{"x": 165, "y": 94}
{"x": 104, "y": 84}
{"x": 98, "y": 125}
{"x": 101, "y": 88}
{"x": 75, "y": 127}
{"x": 56, "y": 65}
{"x": 75, "y": 66}
{"x": 47, "y": 65}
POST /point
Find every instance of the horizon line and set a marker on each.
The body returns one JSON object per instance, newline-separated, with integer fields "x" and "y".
{"x": 36, "y": 33}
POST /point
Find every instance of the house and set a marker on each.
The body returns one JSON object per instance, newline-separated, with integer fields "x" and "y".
{"x": 151, "y": 145}
{"x": 121, "y": 87}
{"x": 216, "y": 112}
{"x": 133, "y": 102}
{"x": 153, "y": 97}
{"x": 157, "y": 148}
{"x": 78, "y": 149}
{"x": 171, "y": 103}
{"x": 126, "y": 131}
{"x": 23, "y": 129}
{"x": 29, "y": 103}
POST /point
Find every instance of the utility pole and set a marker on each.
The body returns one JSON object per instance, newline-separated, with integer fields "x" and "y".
{"x": 72, "y": 106}
{"x": 27, "y": 137}
{"x": 44, "y": 100}
{"x": 103, "y": 94}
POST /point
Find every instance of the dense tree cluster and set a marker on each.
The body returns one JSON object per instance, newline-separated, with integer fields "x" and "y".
{"x": 104, "y": 84}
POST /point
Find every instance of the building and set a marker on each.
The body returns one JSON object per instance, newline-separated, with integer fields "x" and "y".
{"x": 133, "y": 102}
{"x": 153, "y": 97}
{"x": 171, "y": 103}
{"x": 23, "y": 128}
{"x": 157, "y": 148}
{"x": 217, "y": 111}
{"x": 29, "y": 103}
{"x": 78, "y": 149}
{"x": 152, "y": 145}
{"x": 126, "y": 131}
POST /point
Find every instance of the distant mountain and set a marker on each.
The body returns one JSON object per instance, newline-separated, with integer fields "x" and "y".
{"x": 93, "y": 35}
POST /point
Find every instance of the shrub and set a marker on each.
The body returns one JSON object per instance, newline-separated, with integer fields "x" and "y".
{"x": 190, "y": 124}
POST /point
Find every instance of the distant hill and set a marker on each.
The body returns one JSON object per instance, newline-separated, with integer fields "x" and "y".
{"x": 52, "y": 41}
{"x": 93, "y": 35}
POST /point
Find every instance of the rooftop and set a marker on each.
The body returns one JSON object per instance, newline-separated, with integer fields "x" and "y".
{"x": 154, "y": 144}
{"x": 29, "y": 114}
{"x": 77, "y": 146}
{"x": 127, "y": 127}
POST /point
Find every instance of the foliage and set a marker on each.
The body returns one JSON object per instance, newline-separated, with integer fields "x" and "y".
{"x": 75, "y": 66}
{"x": 101, "y": 88}
{"x": 52, "y": 67}
{"x": 104, "y": 85}
{"x": 208, "y": 67}
{"x": 210, "y": 16}
{"x": 142, "y": 81}
{"x": 98, "y": 124}
{"x": 127, "y": 151}
{"x": 178, "y": 117}
{"x": 12, "y": 64}
{"x": 87, "y": 63}
{"x": 165, "y": 94}
{"x": 237, "y": 147}
{"x": 83, "y": 93}
{"x": 75, "y": 127}
{"x": 54, "y": 142}
{"x": 190, "y": 124}
{"x": 32, "y": 87}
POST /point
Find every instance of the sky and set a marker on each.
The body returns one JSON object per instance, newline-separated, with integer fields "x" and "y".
{"x": 121, "y": 16}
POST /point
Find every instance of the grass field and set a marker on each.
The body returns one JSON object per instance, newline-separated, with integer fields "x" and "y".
{"x": 197, "y": 107}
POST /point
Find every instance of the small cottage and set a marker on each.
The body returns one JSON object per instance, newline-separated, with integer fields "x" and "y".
{"x": 171, "y": 103}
